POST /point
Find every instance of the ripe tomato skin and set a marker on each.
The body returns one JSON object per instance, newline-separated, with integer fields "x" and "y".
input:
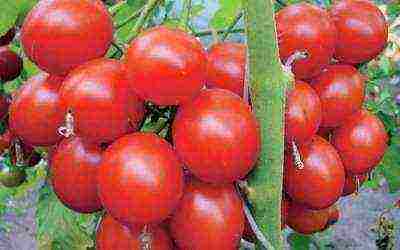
{"x": 217, "y": 136}
{"x": 210, "y": 216}
{"x": 306, "y": 221}
{"x": 166, "y": 66}
{"x": 74, "y": 167}
{"x": 320, "y": 183}
{"x": 35, "y": 113}
{"x": 303, "y": 113}
{"x": 341, "y": 89}
{"x": 350, "y": 185}
{"x": 140, "y": 180}
{"x": 308, "y": 28}
{"x": 98, "y": 96}
{"x": 361, "y": 142}
{"x": 10, "y": 64}
{"x": 226, "y": 66}
{"x": 4, "y": 105}
{"x": 362, "y": 30}
{"x": 73, "y": 32}
{"x": 111, "y": 235}
{"x": 8, "y": 37}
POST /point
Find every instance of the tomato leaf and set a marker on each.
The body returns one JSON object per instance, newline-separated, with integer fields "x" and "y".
{"x": 390, "y": 165}
{"x": 61, "y": 228}
{"x": 299, "y": 241}
{"x": 226, "y": 14}
{"x": 24, "y": 6}
{"x": 126, "y": 11}
{"x": 8, "y": 15}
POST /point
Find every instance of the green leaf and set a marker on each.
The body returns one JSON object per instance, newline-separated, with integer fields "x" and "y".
{"x": 299, "y": 241}
{"x": 390, "y": 166}
{"x": 226, "y": 13}
{"x": 60, "y": 228}
{"x": 124, "y": 12}
{"x": 8, "y": 15}
{"x": 24, "y": 6}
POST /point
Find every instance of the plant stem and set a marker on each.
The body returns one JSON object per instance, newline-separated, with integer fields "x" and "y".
{"x": 115, "y": 8}
{"x": 208, "y": 32}
{"x": 135, "y": 15}
{"x": 232, "y": 26}
{"x": 187, "y": 9}
{"x": 268, "y": 83}
{"x": 150, "y": 5}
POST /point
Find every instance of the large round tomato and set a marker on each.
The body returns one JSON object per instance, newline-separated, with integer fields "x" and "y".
{"x": 74, "y": 167}
{"x": 210, "y": 216}
{"x": 306, "y": 28}
{"x": 35, "y": 113}
{"x": 320, "y": 183}
{"x": 166, "y": 66}
{"x": 10, "y": 64}
{"x": 111, "y": 235}
{"x": 60, "y": 35}
{"x": 341, "y": 89}
{"x": 362, "y": 30}
{"x": 226, "y": 66}
{"x": 98, "y": 96}
{"x": 217, "y": 136}
{"x": 303, "y": 113}
{"x": 140, "y": 179}
{"x": 361, "y": 142}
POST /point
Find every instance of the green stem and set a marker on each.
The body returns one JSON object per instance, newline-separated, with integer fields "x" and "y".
{"x": 208, "y": 32}
{"x": 268, "y": 82}
{"x": 185, "y": 19}
{"x": 117, "y": 7}
{"x": 232, "y": 26}
{"x": 150, "y": 5}
{"x": 135, "y": 15}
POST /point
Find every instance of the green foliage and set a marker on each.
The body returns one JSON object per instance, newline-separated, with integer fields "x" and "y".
{"x": 226, "y": 13}
{"x": 24, "y": 6}
{"x": 299, "y": 241}
{"x": 60, "y": 228}
{"x": 8, "y": 15}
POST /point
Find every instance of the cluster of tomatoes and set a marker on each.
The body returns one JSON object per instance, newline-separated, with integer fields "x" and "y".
{"x": 179, "y": 192}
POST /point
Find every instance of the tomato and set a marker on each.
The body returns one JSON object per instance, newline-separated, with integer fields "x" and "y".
{"x": 342, "y": 92}
{"x": 361, "y": 142}
{"x": 166, "y": 66}
{"x": 35, "y": 114}
{"x": 74, "y": 167}
{"x": 320, "y": 183}
{"x": 226, "y": 66}
{"x": 72, "y": 32}
{"x": 4, "y": 104}
{"x": 98, "y": 96}
{"x": 210, "y": 216}
{"x": 217, "y": 136}
{"x": 7, "y": 37}
{"x": 303, "y": 113}
{"x": 10, "y": 64}
{"x": 334, "y": 215}
{"x": 350, "y": 186}
{"x": 111, "y": 235}
{"x": 306, "y": 28}
{"x": 140, "y": 179}
{"x": 306, "y": 221}
{"x": 11, "y": 176}
{"x": 362, "y": 30}
{"x": 5, "y": 141}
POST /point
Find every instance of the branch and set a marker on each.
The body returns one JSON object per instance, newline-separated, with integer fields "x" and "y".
{"x": 267, "y": 84}
{"x": 150, "y": 5}
{"x": 208, "y": 32}
{"x": 232, "y": 26}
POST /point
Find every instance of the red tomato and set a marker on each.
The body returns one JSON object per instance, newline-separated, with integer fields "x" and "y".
{"x": 60, "y": 35}
{"x": 98, "y": 96}
{"x": 166, "y": 66}
{"x": 111, "y": 235}
{"x": 35, "y": 113}
{"x": 210, "y": 216}
{"x": 74, "y": 167}
{"x": 10, "y": 64}
{"x": 140, "y": 179}
{"x": 320, "y": 183}
{"x": 342, "y": 92}
{"x": 306, "y": 28}
{"x": 362, "y": 30}
{"x": 226, "y": 66}
{"x": 306, "y": 221}
{"x": 361, "y": 142}
{"x": 5, "y": 141}
{"x": 4, "y": 104}
{"x": 303, "y": 113}
{"x": 350, "y": 186}
{"x": 217, "y": 136}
